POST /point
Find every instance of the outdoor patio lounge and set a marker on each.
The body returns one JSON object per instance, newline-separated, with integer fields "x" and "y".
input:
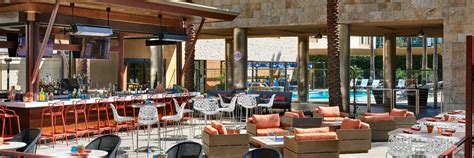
{"x": 236, "y": 78}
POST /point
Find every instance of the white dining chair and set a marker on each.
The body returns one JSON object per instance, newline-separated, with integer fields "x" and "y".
{"x": 268, "y": 105}
{"x": 129, "y": 121}
{"x": 189, "y": 112}
{"x": 247, "y": 102}
{"x": 229, "y": 109}
{"x": 148, "y": 116}
{"x": 176, "y": 119}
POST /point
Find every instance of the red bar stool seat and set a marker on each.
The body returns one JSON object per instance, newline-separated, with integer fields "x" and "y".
{"x": 8, "y": 114}
{"x": 78, "y": 107}
{"x": 53, "y": 111}
{"x": 101, "y": 105}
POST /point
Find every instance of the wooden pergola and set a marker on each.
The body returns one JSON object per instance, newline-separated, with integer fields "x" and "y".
{"x": 128, "y": 18}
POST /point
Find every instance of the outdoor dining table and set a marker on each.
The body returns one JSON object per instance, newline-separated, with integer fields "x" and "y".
{"x": 12, "y": 145}
{"x": 460, "y": 127}
{"x": 92, "y": 153}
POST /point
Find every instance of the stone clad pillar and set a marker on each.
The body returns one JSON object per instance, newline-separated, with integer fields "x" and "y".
{"x": 302, "y": 68}
{"x": 239, "y": 64}
{"x": 156, "y": 66}
{"x": 344, "y": 58}
{"x": 229, "y": 52}
{"x": 389, "y": 55}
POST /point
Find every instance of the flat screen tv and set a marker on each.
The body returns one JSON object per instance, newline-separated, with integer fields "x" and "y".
{"x": 22, "y": 48}
{"x": 95, "y": 48}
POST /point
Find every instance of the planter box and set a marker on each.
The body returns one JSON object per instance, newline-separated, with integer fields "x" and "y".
{"x": 225, "y": 146}
{"x": 301, "y": 122}
{"x": 354, "y": 140}
{"x": 311, "y": 148}
{"x": 405, "y": 122}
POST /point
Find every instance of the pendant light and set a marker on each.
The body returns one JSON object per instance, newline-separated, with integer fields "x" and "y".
{"x": 319, "y": 35}
{"x": 421, "y": 34}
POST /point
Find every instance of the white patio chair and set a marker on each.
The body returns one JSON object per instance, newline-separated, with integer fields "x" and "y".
{"x": 247, "y": 102}
{"x": 268, "y": 105}
{"x": 364, "y": 83}
{"x": 375, "y": 84}
{"x": 229, "y": 109}
{"x": 148, "y": 115}
{"x": 176, "y": 119}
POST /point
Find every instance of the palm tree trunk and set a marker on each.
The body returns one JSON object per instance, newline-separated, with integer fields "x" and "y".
{"x": 334, "y": 81}
{"x": 189, "y": 54}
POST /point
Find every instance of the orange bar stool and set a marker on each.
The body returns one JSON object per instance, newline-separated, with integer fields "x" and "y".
{"x": 78, "y": 107}
{"x": 53, "y": 111}
{"x": 136, "y": 100}
{"x": 101, "y": 105}
{"x": 169, "y": 102}
{"x": 8, "y": 114}
{"x": 120, "y": 104}
{"x": 159, "y": 98}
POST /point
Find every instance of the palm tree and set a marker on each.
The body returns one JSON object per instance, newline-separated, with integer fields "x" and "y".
{"x": 334, "y": 81}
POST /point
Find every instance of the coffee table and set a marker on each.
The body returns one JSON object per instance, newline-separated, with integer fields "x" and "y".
{"x": 268, "y": 142}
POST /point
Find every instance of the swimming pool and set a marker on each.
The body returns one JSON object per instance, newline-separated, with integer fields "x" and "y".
{"x": 323, "y": 95}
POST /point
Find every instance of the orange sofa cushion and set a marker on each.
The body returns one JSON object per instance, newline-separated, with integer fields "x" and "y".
{"x": 211, "y": 130}
{"x": 409, "y": 114}
{"x": 266, "y": 121}
{"x": 332, "y": 111}
{"x": 311, "y": 130}
{"x": 378, "y": 118}
{"x": 364, "y": 125}
{"x": 376, "y": 114}
{"x": 329, "y": 119}
{"x": 316, "y": 136}
{"x": 398, "y": 112}
{"x": 292, "y": 115}
{"x": 350, "y": 124}
{"x": 299, "y": 112}
{"x": 219, "y": 127}
{"x": 266, "y": 132}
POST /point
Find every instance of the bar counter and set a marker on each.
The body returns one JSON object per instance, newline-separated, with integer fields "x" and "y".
{"x": 30, "y": 112}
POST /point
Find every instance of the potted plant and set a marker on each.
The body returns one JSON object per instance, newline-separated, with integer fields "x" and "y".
{"x": 162, "y": 155}
{"x": 429, "y": 127}
{"x": 81, "y": 149}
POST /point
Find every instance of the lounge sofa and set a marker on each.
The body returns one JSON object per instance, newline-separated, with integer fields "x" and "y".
{"x": 354, "y": 136}
{"x": 262, "y": 125}
{"x": 220, "y": 144}
{"x": 382, "y": 123}
{"x": 314, "y": 143}
{"x": 331, "y": 113}
{"x": 296, "y": 118}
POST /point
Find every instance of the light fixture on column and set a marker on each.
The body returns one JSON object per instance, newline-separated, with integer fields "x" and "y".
{"x": 421, "y": 34}
{"x": 319, "y": 35}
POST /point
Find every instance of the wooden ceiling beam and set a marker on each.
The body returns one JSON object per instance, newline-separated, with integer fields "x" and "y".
{"x": 91, "y": 13}
{"x": 166, "y": 8}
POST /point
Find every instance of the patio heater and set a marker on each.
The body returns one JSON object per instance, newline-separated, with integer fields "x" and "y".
{"x": 8, "y": 61}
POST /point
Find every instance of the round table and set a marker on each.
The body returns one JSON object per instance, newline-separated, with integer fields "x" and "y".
{"x": 12, "y": 145}
{"x": 93, "y": 153}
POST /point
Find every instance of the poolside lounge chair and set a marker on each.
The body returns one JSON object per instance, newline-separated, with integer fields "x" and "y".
{"x": 351, "y": 82}
{"x": 401, "y": 83}
{"x": 364, "y": 83}
{"x": 375, "y": 84}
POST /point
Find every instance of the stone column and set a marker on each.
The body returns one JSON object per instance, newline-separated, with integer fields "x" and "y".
{"x": 302, "y": 68}
{"x": 344, "y": 59}
{"x": 156, "y": 65}
{"x": 389, "y": 55}
{"x": 229, "y": 54}
{"x": 239, "y": 74}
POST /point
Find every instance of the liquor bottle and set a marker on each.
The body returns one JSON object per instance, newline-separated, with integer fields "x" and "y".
{"x": 41, "y": 95}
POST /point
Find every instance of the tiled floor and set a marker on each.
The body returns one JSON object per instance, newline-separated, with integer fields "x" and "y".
{"x": 378, "y": 149}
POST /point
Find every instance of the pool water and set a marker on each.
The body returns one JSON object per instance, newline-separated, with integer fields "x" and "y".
{"x": 324, "y": 95}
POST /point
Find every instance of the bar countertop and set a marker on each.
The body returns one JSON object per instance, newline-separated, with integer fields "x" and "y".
{"x": 40, "y": 104}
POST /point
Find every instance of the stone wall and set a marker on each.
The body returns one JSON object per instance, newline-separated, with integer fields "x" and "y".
{"x": 456, "y": 16}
